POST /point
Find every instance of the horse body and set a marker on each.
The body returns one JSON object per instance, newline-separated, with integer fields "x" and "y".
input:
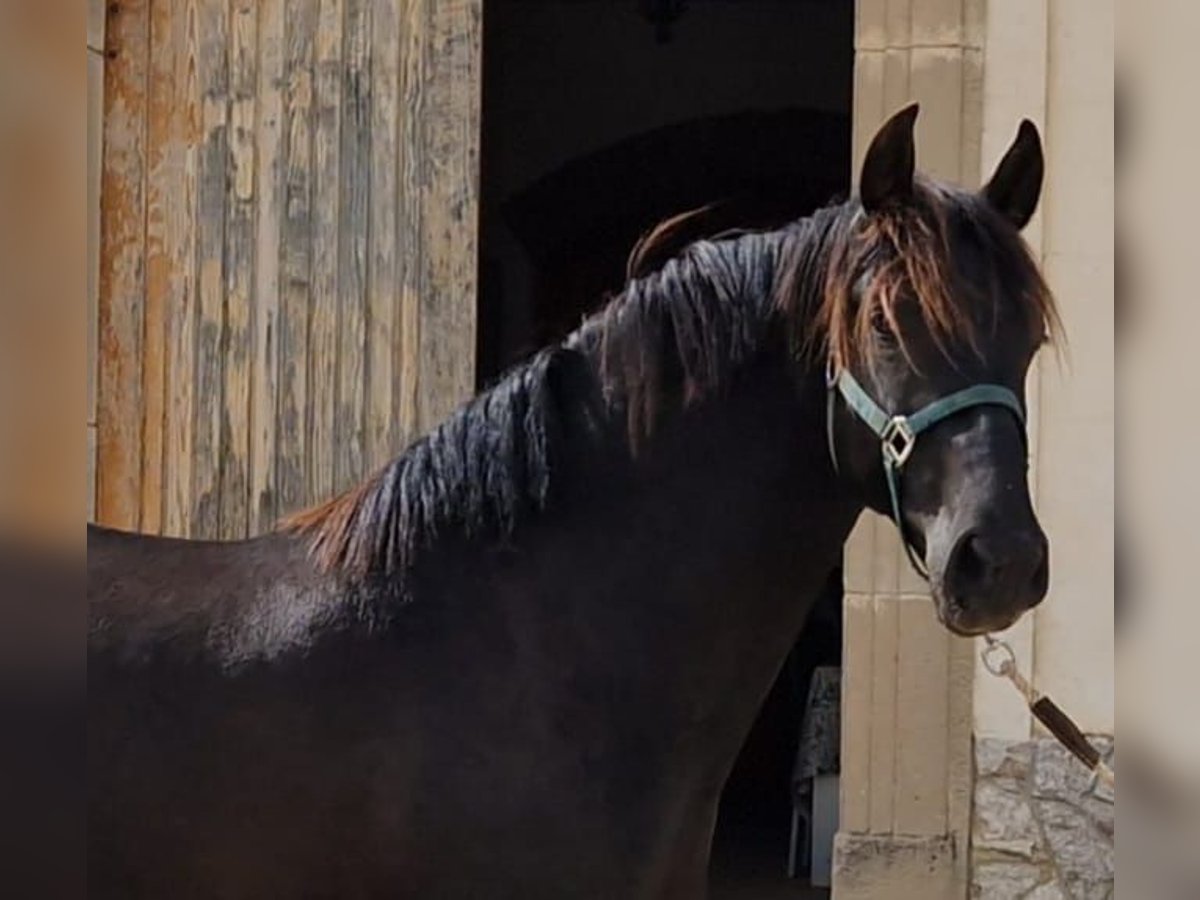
{"x": 521, "y": 659}
{"x": 563, "y": 713}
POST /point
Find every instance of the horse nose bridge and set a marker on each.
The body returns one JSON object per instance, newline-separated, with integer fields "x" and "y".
{"x": 987, "y": 455}
{"x": 1007, "y": 548}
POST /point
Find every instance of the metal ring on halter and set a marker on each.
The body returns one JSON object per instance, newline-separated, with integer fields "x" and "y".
{"x": 1007, "y": 659}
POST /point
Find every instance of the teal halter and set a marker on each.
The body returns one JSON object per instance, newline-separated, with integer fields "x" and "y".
{"x": 898, "y": 433}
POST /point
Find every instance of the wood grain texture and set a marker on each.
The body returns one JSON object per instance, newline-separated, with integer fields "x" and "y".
{"x": 323, "y": 322}
{"x": 287, "y": 273}
{"x": 381, "y": 431}
{"x": 236, "y": 351}
{"x": 296, "y": 254}
{"x": 211, "y": 177}
{"x": 354, "y": 161}
{"x": 181, "y": 310}
{"x": 410, "y": 167}
{"x": 122, "y": 282}
{"x": 160, "y": 187}
{"x": 264, "y": 488}
{"x": 449, "y": 191}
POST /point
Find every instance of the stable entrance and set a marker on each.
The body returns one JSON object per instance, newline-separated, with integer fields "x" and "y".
{"x": 599, "y": 120}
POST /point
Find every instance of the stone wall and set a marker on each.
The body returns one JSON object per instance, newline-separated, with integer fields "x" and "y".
{"x": 1040, "y": 829}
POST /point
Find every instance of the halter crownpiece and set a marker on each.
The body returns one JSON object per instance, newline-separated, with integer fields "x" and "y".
{"x": 898, "y": 433}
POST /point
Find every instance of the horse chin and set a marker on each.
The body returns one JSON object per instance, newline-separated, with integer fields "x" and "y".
{"x": 957, "y": 622}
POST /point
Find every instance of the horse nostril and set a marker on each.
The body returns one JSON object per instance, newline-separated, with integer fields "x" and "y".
{"x": 982, "y": 564}
{"x": 970, "y": 565}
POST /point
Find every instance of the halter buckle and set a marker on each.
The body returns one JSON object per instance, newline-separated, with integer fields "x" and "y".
{"x": 898, "y": 440}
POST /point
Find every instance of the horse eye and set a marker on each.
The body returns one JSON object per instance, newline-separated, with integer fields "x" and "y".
{"x": 881, "y": 326}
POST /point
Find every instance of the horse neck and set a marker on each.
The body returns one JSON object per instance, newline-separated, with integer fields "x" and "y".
{"x": 723, "y": 531}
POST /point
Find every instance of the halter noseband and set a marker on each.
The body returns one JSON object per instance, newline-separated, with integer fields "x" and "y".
{"x": 898, "y": 433}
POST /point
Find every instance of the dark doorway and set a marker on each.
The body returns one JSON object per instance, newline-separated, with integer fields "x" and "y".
{"x": 600, "y": 119}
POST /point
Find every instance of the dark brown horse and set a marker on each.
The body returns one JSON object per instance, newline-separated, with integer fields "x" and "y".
{"x": 519, "y": 661}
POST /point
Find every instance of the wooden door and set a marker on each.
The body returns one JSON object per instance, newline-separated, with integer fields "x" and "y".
{"x": 288, "y": 250}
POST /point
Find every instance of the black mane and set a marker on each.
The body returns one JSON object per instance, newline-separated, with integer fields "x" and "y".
{"x": 669, "y": 340}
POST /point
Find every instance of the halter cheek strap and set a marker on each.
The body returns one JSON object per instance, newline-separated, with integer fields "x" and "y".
{"x": 898, "y": 433}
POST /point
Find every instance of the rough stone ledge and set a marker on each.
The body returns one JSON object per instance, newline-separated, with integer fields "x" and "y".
{"x": 899, "y": 867}
{"x": 1040, "y": 829}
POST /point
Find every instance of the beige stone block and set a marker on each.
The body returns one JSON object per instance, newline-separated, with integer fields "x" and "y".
{"x": 972, "y": 119}
{"x": 1079, "y": 193}
{"x": 922, "y": 720}
{"x": 95, "y": 24}
{"x": 896, "y": 77}
{"x": 895, "y": 867}
{"x": 960, "y": 758}
{"x": 855, "y": 778}
{"x": 937, "y": 23}
{"x": 859, "y": 555}
{"x": 899, "y": 23}
{"x": 937, "y": 83}
{"x": 1074, "y": 637}
{"x": 886, "y": 561}
{"x": 870, "y": 24}
{"x": 1014, "y": 74}
{"x": 1081, "y": 36}
{"x": 869, "y": 108}
{"x": 975, "y": 23}
{"x": 910, "y": 583}
{"x": 883, "y": 722}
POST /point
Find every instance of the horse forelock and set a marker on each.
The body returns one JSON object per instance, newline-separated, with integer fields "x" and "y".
{"x": 907, "y": 251}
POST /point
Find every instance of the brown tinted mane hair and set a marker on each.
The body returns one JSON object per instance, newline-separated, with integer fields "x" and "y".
{"x": 672, "y": 337}
{"x": 670, "y": 237}
{"x": 906, "y": 252}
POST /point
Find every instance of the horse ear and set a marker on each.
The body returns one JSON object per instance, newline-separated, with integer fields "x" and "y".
{"x": 1014, "y": 189}
{"x": 887, "y": 172}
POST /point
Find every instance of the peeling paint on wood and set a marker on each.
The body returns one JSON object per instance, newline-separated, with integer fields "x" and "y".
{"x": 288, "y": 234}
{"x": 122, "y": 268}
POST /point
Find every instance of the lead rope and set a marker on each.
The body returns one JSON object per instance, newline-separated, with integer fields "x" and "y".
{"x": 999, "y": 659}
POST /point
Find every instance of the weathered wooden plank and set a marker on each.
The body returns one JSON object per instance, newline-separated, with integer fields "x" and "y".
{"x": 323, "y": 329}
{"x": 449, "y": 195}
{"x": 161, "y": 186}
{"x": 181, "y": 309}
{"x": 409, "y": 256}
{"x": 122, "y": 267}
{"x": 91, "y": 472}
{"x": 296, "y": 263}
{"x": 354, "y": 177}
{"x": 263, "y": 499}
{"x": 95, "y": 137}
{"x": 239, "y": 271}
{"x": 210, "y": 237}
{"x": 296, "y": 253}
{"x": 383, "y": 285}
